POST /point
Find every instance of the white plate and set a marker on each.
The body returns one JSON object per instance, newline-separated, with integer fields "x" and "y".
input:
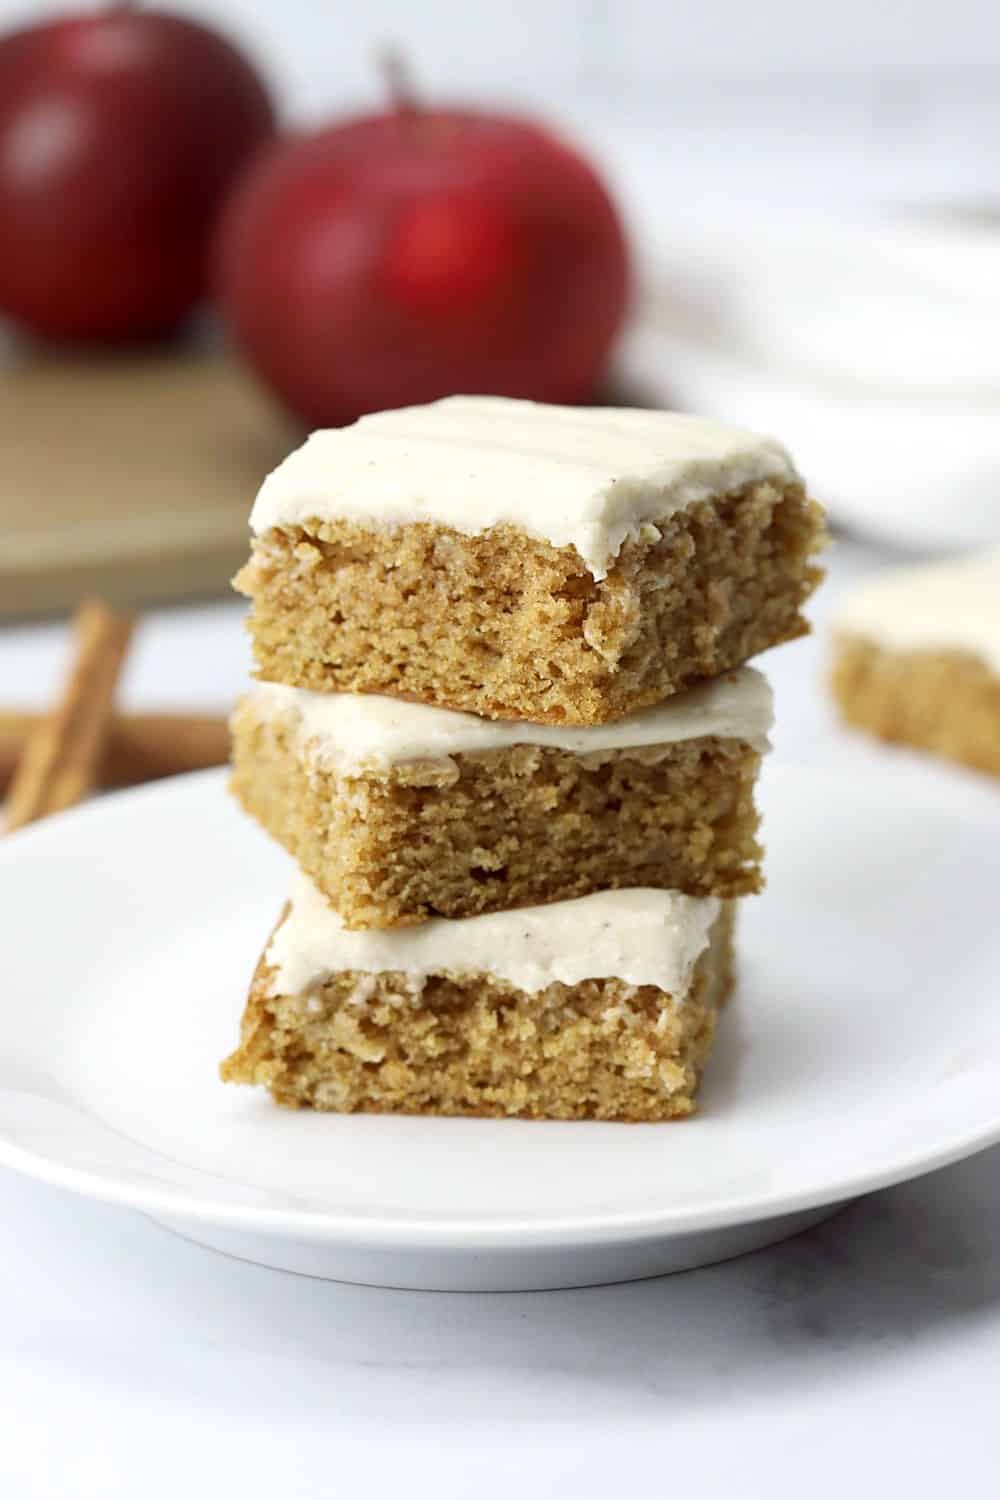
{"x": 862, "y": 1047}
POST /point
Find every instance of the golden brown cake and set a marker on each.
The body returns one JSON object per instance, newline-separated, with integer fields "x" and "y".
{"x": 399, "y": 812}
{"x": 556, "y": 564}
{"x": 601, "y": 1008}
{"x": 917, "y": 659}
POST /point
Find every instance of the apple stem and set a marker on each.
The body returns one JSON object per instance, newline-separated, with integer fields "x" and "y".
{"x": 398, "y": 80}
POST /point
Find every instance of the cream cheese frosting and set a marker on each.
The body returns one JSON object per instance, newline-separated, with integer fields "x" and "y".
{"x": 357, "y": 731}
{"x": 943, "y": 606}
{"x": 640, "y": 936}
{"x": 580, "y": 477}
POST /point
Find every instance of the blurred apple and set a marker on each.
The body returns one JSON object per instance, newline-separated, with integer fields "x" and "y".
{"x": 120, "y": 132}
{"x": 399, "y": 257}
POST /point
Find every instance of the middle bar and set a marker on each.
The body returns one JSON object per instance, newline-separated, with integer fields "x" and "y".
{"x": 400, "y": 812}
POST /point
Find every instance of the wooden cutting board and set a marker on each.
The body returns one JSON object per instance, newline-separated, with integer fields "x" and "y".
{"x": 128, "y": 476}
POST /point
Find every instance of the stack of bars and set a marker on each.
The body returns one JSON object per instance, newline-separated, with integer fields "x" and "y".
{"x": 505, "y": 729}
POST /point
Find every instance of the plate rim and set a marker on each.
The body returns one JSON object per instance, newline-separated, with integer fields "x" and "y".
{"x": 330, "y": 1227}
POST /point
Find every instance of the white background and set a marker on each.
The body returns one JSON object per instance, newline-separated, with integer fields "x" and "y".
{"x": 786, "y": 106}
{"x": 320, "y": 49}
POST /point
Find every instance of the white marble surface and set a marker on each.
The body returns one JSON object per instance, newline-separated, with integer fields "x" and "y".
{"x": 861, "y": 1355}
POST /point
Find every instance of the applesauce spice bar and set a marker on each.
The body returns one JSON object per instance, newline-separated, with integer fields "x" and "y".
{"x": 558, "y": 564}
{"x": 399, "y": 812}
{"x": 917, "y": 659}
{"x": 599, "y": 1008}
{"x": 505, "y": 728}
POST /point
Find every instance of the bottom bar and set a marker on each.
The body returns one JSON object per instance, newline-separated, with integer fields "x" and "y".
{"x": 601, "y": 1008}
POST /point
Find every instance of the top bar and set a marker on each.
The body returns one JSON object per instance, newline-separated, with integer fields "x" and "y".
{"x": 566, "y": 565}
{"x": 580, "y": 477}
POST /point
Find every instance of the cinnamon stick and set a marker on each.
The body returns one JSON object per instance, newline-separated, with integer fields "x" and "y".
{"x": 60, "y": 761}
{"x": 15, "y": 727}
{"x": 144, "y": 747}
{"x": 140, "y": 747}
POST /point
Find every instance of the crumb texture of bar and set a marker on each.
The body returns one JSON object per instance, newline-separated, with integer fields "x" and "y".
{"x": 945, "y": 701}
{"x": 477, "y": 1045}
{"x": 508, "y": 626}
{"x": 464, "y": 834}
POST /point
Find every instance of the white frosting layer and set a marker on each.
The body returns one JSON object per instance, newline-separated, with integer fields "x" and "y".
{"x": 581, "y": 477}
{"x": 357, "y": 731}
{"x": 640, "y": 936}
{"x": 941, "y": 606}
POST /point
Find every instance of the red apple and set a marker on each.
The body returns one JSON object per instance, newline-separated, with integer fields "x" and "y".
{"x": 120, "y": 132}
{"x": 399, "y": 257}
